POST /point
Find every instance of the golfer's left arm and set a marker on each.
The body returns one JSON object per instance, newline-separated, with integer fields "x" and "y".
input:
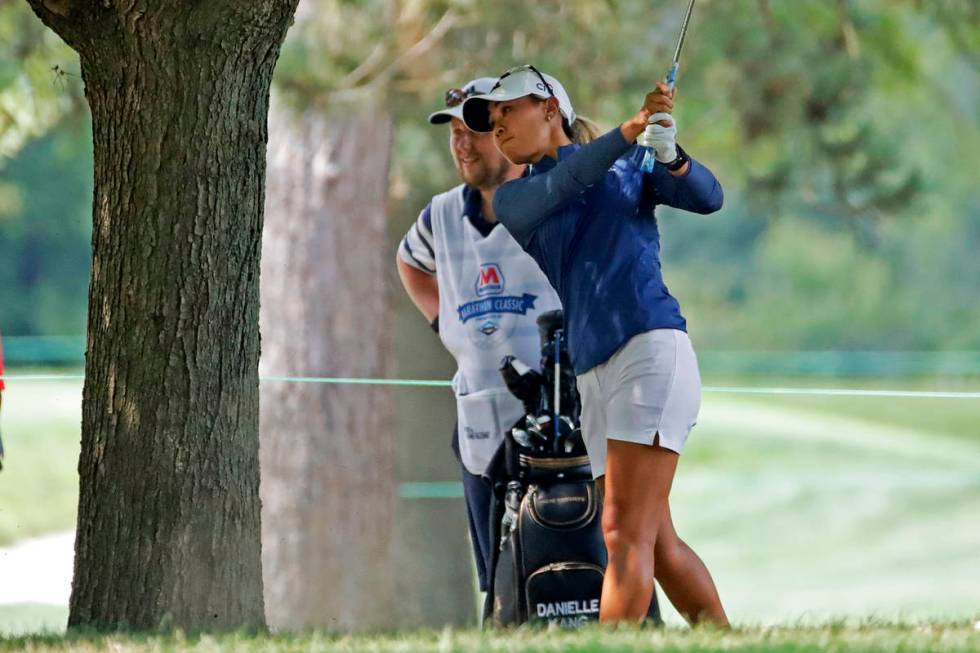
{"x": 696, "y": 189}
{"x": 689, "y": 186}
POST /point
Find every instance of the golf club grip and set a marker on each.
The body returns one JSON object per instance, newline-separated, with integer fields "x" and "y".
{"x": 672, "y": 75}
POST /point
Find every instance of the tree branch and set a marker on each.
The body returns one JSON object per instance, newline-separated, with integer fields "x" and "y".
{"x": 769, "y": 22}
{"x": 58, "y": 7}
{"x": 848, "y": 32}
{"x": 40, "y": 9}
{"x": 75, "y": 22}
{"x": 365, "y": 68}
{"x": 445, "y": 23}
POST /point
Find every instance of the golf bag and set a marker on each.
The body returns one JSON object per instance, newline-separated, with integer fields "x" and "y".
{"x": 549, "y": 557}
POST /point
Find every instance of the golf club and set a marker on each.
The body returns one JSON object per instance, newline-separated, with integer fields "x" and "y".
{"x": 649, "y": 158}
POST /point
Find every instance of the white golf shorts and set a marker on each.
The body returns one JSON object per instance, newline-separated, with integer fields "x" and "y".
{"x": 650, "y": 386}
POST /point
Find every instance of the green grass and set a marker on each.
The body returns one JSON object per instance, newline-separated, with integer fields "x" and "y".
{"x": 867, "y": 638}
{"x": 959, "y": 418}
{"x": 19, "y": 619}
{"x": 802, "y": 510}
{"x": 41, "y": 427}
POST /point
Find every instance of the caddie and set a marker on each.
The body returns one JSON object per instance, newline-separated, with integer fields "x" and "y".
{"x": 482, "y": 294}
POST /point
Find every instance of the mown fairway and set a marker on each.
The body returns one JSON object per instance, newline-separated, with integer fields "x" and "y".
{"x": 41, "y": 427}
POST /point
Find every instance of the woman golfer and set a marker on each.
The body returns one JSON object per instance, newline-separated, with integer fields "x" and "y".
{"x": 585, "y": 214}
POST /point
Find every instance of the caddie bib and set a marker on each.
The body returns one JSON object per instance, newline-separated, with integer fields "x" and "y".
{"x": 490, "y": 295}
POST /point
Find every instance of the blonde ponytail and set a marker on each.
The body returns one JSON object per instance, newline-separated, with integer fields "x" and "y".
{"x": 582, "y": 131}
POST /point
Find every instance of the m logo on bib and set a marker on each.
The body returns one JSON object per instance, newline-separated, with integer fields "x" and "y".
{"x": 491, "y": 315}
{"x": 490, "y": 280}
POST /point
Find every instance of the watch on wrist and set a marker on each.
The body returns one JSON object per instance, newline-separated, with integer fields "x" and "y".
{"x": 679, "y": 162}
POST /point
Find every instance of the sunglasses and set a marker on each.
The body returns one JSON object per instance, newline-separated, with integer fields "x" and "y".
{"x": 456, "y": 96}
{"x": 526, "y": 68}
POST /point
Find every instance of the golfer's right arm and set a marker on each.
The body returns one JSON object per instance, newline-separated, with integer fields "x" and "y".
{"x": 522, "y": 204}
{"x": 417, "y": 266}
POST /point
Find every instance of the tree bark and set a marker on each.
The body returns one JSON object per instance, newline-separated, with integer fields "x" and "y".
{"x": 328, "y": 451}
{"x": 168, "y": 519}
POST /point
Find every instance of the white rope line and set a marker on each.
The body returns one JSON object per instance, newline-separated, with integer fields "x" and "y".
{"x": 846, "y": 392}
{"x": 833, "y": 392}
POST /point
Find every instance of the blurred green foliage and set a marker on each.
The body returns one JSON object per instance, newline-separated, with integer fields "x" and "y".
{"x": 45, "y": 234}
{"x": 39, "y": 78}
{"x": 845, "y": 133}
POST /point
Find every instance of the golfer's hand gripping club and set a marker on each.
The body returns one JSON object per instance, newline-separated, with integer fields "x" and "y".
{"x": 660, "y": 135}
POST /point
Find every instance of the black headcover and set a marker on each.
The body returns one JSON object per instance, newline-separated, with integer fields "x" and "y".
{"x": 523, "y": 382}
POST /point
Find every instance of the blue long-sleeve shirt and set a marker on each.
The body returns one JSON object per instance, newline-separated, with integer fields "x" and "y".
{"x": 588, "y": 220}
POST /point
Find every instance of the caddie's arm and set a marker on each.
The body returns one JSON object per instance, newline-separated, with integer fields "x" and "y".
{"x": 416, "y": 262}
{"x": 422, "y": 288}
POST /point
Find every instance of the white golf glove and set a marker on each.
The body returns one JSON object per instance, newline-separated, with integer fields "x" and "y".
{"x": 662, "y": 140}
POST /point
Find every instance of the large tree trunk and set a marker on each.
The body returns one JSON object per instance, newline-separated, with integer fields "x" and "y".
{"x": 328, "y": 451}
{"x": 168, "y": 519}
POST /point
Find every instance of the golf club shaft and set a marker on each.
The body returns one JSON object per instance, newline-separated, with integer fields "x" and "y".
{"x": 675, "y": 65}
{"x": 671, "y": 79}
{"x": 557, "y": 403}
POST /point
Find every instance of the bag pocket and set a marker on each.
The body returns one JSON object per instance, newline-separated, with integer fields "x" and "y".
{"x": 564, "y": 594}
{"x": 565, "y": 506}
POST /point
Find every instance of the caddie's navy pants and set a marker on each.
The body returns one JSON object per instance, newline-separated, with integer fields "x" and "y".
{"x": 477, "y": 491}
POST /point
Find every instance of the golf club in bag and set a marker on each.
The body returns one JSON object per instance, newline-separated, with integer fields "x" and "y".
{"x": 549, "y": 557}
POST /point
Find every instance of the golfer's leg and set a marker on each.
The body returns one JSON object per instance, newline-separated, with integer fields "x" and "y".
{"x": 636, "y": 485}
{"x": 685, "y": 578}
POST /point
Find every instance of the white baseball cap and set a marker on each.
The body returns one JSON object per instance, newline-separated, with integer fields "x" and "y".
{"x": 456, "y": 96}
{"x": 516, "y": 83}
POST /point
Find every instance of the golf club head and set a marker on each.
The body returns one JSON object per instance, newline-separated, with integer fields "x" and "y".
{"x": 539, "y": 423}
{"x": 522, "y": 437}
